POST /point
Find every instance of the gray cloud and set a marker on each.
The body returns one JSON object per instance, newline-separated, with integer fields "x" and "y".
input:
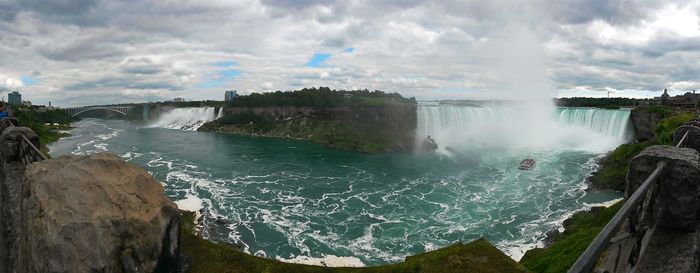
{"x": 153, "y": 50}
{"x": 81, "y": 51}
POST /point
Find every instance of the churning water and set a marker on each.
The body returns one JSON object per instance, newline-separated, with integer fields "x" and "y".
{"x": 298, "y": 201}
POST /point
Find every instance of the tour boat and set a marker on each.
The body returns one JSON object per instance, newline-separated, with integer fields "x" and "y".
{"x": 526, "y": 164}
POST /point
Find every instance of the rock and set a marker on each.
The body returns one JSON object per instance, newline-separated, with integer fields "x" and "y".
{"x": 6, "y": 122}
{"x": 693, "y": 138}
{"x": 677, "y": 202}
{"x": 645, "y": 121}
{"x": 96, "y": 213}
{"x": 14, "y": 147}
{"x": 14, "y": 153}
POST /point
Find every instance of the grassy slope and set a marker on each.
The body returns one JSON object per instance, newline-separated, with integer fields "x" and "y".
{"x": 37, "y": 122}
{"x": 561, "y": 254}
{"x": 615, "y": 166}
{"x": 477, "y": 256}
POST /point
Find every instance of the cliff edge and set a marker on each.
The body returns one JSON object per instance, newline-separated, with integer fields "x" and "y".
{"x": 368, "y": 129}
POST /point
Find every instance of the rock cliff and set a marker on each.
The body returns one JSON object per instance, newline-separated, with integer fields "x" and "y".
{"x": 645, "y": 121}
{"x": 95, "y": 213}
{"x": 369, "y": 129}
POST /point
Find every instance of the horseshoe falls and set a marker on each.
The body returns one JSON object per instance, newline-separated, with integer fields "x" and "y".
{"x": 301, "y": 202}
{"x": 469, "y": 127}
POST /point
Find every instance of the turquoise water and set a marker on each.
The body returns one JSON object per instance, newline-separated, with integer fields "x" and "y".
{"x": 290, "y": 199}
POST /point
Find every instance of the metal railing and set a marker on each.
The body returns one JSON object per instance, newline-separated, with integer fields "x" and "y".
{"x": 589, "y": 257}
{"x": 36, "y": 150}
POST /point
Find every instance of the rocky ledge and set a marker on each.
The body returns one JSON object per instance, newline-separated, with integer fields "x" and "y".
{"x": 95, "y": 213}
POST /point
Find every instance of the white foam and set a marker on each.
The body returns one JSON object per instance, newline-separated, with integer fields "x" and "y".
{"x": 606, "y": 204}
{"x": 188, "y": 119}
{"x": 190, "y": 203}
{"x": 328, "y": 261}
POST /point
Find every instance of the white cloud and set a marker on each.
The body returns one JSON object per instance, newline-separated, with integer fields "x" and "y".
{"x": 102, "y": 51}
{"x": 8, "y": 83}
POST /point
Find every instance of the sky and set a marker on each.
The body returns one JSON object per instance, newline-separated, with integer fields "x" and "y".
{"x": 85, "y": 52}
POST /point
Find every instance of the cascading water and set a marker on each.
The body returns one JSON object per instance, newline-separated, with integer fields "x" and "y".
{"x": 610, "y": 123}
{"x": 188, "y": 119}
{"x": 507, "y": 125}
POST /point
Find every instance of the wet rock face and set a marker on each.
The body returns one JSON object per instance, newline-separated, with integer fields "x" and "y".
{"x": 96, "y": 213}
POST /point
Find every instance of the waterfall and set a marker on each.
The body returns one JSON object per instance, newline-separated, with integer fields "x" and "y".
{"x": 611, "y": 123}
{"x": 505, "y": 125}
{"x": 188, "y": 119}
{"x": 221, "y": 113}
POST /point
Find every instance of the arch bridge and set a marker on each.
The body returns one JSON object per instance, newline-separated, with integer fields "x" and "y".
{"x": 120, "y": 109}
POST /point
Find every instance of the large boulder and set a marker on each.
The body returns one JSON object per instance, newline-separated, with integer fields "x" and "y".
{"x": 676, "y": 202}
{"x": 96, "y": 213}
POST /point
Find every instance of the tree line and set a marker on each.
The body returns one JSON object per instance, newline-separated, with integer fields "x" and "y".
{"x": 322, "y": 96}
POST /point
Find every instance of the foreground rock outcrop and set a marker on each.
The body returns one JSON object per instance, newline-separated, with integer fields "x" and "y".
{"x": 95, "y": 213}
{"x": 661, "y": 235}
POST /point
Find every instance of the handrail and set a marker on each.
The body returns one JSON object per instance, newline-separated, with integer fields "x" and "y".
{"x": 586, "y": 261}
{"x": 682, "y": 139}
{"x": 589, "y": 257}
{"x": 43, "y": 157}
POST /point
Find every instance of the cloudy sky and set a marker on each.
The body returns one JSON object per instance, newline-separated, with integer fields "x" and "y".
{"x": 79, "y": 52}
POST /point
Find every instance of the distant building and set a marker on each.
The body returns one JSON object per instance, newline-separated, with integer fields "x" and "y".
{"x": 14, "y": 98}
{"x": 179, "y": 99}
{"x": 664, "y": 97}
{"x": 27, "y": 103}
{"x": 687, "y": 100}
{"x": 229, "y": 95}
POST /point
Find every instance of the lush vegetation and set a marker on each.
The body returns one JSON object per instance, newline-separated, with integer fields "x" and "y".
{"x": 615, "y": 165}
{"x": 204, "y": 103}
{"x": 664, "y": 130}
{"x": 322, "y": 97}
{"x": 368, "y": 137}
{"x": 663, "y": 111}
{"x": 607, "y": 103}
{"x": 477, "y": 256}
{"x": 567, "y": 246}
{"x": 37, "y": 121}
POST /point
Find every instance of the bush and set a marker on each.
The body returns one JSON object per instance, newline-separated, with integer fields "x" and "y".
{"x": 562, "y": 254}
{"x": 322, "y": 96}
{"x": 615, "y": 166}
{"x": 664, "y": 130}
{"x": 37, "y": 122}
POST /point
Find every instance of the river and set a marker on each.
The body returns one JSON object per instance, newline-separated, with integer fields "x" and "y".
{"x": 301, "y": 202}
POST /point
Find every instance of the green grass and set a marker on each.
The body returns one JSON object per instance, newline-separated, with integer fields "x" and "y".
{"x": 561, "y": 254}
{"x": 477, "y": 256}
{"x": 615, "y": 166}
{"x": 37, "y": 122}
{"x": 664, "y": 111}
{"x": 665, "y": 127}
